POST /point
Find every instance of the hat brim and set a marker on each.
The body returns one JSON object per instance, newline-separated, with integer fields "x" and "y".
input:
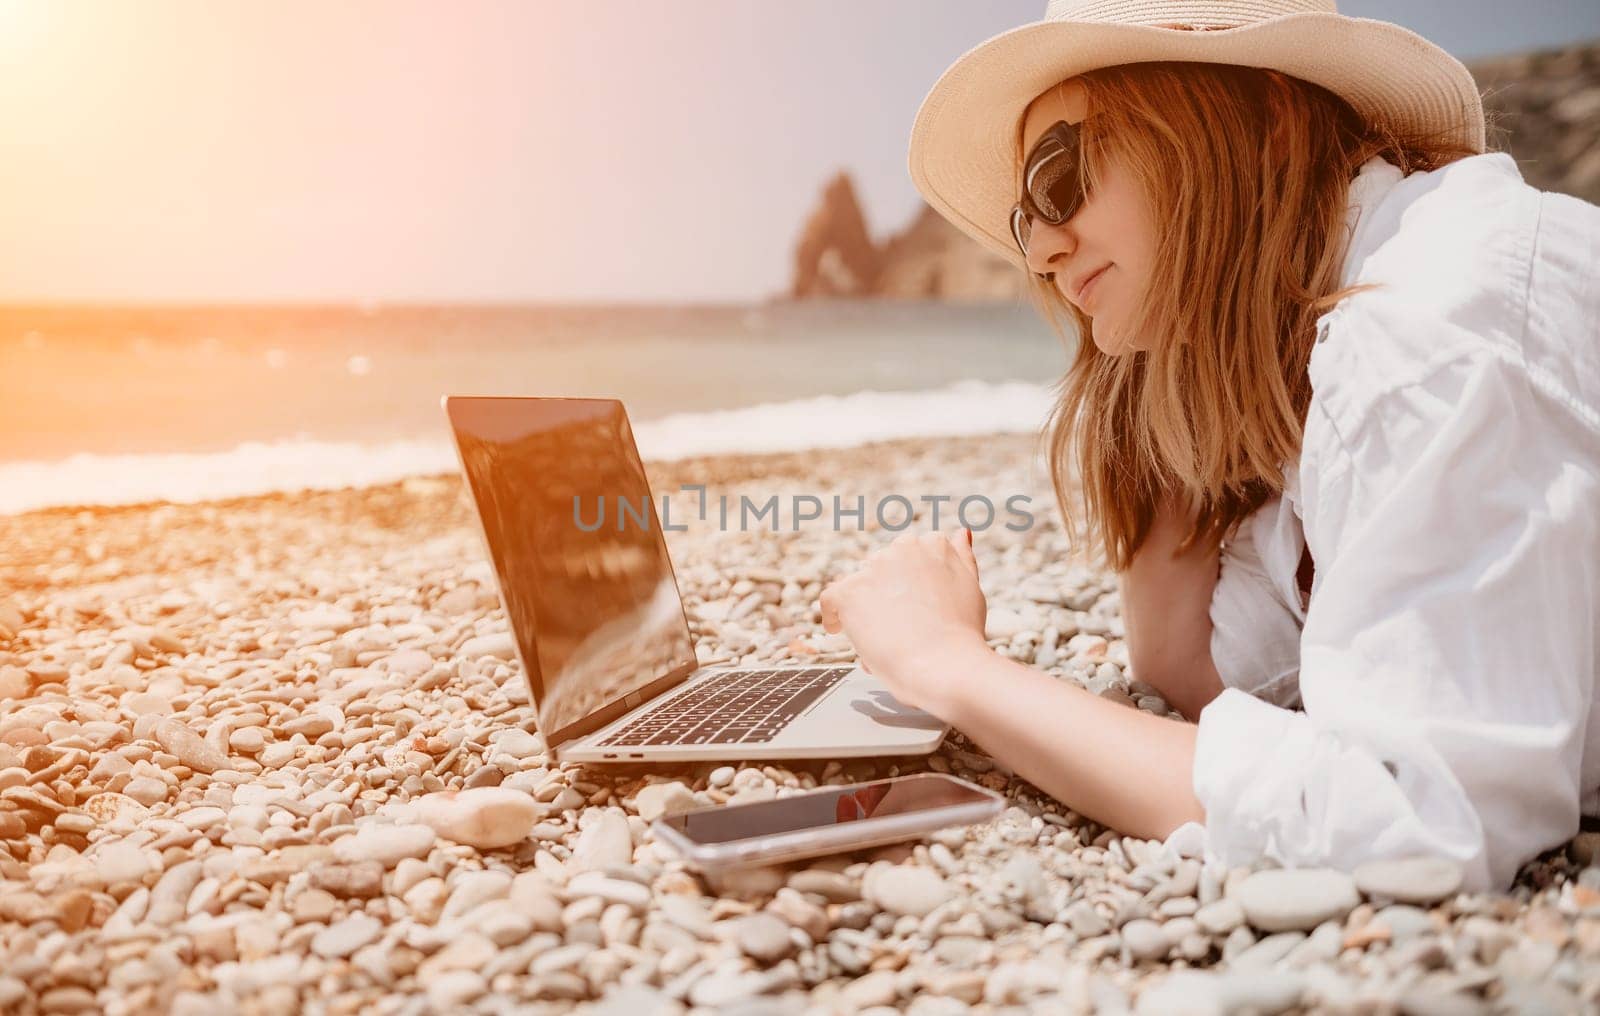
{"x": 962, "y": 149}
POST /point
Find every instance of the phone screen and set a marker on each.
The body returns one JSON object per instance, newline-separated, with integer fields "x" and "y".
{"x": 827, "y": 807}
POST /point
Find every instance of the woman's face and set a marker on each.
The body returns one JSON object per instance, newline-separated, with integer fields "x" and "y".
{"x": 1112, "y": 230}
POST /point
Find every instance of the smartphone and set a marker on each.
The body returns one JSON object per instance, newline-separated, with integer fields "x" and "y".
{"x": 824, "y": 821}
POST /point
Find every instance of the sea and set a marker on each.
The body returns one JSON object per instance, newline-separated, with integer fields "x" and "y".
{"x": 120, "y": 405}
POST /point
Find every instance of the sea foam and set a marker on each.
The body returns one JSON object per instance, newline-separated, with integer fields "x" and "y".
{"x": 825, "y": 421}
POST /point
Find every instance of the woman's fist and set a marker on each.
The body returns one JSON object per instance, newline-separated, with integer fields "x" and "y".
{"x": 907, "y": 610}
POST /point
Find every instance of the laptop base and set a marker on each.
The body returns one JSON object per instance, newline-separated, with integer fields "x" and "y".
{"x": 857, "y": 718}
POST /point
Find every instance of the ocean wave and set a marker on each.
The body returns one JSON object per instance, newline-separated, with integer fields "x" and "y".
{"x": 260, "y": 467}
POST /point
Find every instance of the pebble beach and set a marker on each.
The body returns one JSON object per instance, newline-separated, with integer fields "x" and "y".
{"x": 276, "y": 755}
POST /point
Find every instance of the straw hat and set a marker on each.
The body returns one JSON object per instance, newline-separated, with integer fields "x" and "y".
{"x": 963, "y": 141}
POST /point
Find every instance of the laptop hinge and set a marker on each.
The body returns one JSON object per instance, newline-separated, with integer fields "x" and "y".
{"x": 606, "y": 713}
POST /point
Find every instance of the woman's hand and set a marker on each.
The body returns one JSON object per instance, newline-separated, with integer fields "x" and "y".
{"x": 912, "y": 608}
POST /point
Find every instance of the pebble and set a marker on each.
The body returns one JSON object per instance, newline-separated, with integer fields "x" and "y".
{"x": 1404, "y": 921}
{"x": 1296, "y": 899}
{"x": 358, "y": 880}
{"x": 14, "y": 683}
{"x": 342, "y": 938}
{"x": 800, "y": 912}
{"x": 1269, "y": 951}
{"x": 1425, "y": 1002}
{"x": 1585, "y": 847}
{"x": 190, "y": 748}
{"x": 611, "y": 890}
{"x": 659, "y": 799}
{"x": 607, "y": 842}
{"x": 762, "y": 936}
{"x": 474, "y": 888}
{"x": 501, "y": 923}
{"x": 1145, "y": 940}
{"x": 310, "y": 726}
{"x": 426, "y": 899}
{"x": 1086, "y": 921}
{"x": 1265, "y": 992}
{"x": 147, "y": 790}
{"x": 248, "y": 740}
{"x": 412, "y": 663}
{"x": 484, "y": 817}
{"x": 876, "y": 988}
{"x": 170, "y": 897}
{"x": 147, "y": 704}
{"x": 832, "y": 886}
{"x": 278, "y": 754}
{"x": 203, "y": 818}
{"x": 1419, "y": 880}
{"x": 118, "y": 863}
{"x": 1220, "y": 917}
{"x": 1196, "y": 992}
{"x": 531, "y": 895}
{"x": 386, "y": 844}
{"x": 905, "y": 889}
{"x": 499, "y": 646}
{"x": 317, "y": 618}
{"x": 520, "y": 744}
{"x": 68, "y": 999}
{"x": 449, "y": 991}
{"x": 314, "y": 906}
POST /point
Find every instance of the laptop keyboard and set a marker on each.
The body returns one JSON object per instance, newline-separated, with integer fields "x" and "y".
{"x": 735, "y": 707}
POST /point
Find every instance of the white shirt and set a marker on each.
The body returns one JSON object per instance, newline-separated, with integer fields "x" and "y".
{"x": 1448, "y": 486}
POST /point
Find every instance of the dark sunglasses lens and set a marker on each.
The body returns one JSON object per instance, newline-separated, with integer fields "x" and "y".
{"x": 1052, "y": 177}
{"x": 1058, "y": 195}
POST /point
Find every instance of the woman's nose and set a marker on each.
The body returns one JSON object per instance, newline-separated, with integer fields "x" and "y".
{"x": 1048, "y": 245}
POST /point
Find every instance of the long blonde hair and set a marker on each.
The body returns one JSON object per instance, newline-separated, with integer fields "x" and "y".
{"x": 1248, "y": 171}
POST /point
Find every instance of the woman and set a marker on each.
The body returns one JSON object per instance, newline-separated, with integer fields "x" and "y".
{"x": 1323, "y": 326}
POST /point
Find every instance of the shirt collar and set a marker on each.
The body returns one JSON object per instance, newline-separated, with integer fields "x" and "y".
{"x": 1372, "y": 183}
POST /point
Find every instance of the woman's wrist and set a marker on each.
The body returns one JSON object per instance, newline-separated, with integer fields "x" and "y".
{"x": 949, "y": 675}
{"x": 1068, "y": 742}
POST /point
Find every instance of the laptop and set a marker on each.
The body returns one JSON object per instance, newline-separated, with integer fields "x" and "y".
{"x": 578, "y": 553}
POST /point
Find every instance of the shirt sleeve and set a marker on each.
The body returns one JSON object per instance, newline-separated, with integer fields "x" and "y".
{"x": 1448, "y": 656}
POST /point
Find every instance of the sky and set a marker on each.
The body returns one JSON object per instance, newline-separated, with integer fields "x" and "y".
{"x": 654, "y": 151}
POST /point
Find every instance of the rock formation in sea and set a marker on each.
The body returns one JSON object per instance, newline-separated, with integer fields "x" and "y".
{"x": 1544, "y": 108}
{"x": 836, "y": 256}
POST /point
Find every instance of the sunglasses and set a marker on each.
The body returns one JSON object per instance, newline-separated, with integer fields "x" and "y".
{"x": 1050, "y": 189}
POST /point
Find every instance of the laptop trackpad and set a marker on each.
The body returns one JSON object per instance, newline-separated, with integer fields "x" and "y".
{"x": 880, "y": 705}
{"x": 862, "y": 711}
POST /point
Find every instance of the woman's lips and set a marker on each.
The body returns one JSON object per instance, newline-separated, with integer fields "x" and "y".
{"x": 1088, "y": 286}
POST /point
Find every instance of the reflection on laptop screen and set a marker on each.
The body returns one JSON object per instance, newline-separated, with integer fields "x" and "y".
{"x": 593, "y": 601}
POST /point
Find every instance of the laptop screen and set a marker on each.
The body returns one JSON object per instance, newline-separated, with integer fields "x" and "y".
{"x": 574, "y": 538}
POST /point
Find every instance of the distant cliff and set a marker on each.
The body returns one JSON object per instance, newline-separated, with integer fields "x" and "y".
{"x": 836, "y": 255}
{"x": 928, "y": 260}
{"x": 1546, "y": 106}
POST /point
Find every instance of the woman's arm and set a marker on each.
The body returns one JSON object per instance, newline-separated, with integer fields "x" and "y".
{"x": 915, "y": 613}
{"x": 1166, "y": 608}
{"x": 1075, "y": 746}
